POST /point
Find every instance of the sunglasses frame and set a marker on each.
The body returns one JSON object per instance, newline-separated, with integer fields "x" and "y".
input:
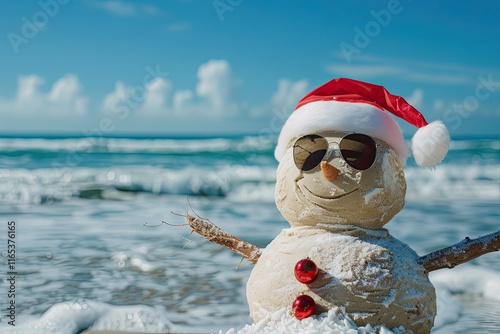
{"x": 329, "y": 150}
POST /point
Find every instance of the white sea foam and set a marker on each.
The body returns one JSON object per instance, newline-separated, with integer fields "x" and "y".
{"x": 73, "y": 317}
{"x": 454, "y": 181}
{"x": 469, "y": 279}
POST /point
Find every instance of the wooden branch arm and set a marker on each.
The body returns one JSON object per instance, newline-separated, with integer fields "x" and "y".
{"x": 448, "y": 257}
{"x": 461, "y": 252}
{"x": 213, "y": 233}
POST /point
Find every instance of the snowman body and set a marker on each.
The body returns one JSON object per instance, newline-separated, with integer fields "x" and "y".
{"x": 338, "y": 222}
{"x": 371, "y": 276}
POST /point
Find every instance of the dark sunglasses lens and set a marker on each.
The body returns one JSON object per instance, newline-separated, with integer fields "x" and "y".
{"x": 308, "y": 151}
{"x": 313, "y": 160}
{"x": 358, "y": 150}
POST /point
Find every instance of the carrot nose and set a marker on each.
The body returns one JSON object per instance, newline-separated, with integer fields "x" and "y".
{"x": 329, "y": 172}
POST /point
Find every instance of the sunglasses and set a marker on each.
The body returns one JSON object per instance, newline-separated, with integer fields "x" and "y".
{"x": 357, "y": 150}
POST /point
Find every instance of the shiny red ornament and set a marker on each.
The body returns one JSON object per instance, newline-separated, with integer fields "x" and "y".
{"x": 306, "y": 271}
{"x": 303, "y": 307}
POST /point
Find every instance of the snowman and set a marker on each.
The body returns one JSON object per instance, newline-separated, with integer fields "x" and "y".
{"x": 340, "y": 179}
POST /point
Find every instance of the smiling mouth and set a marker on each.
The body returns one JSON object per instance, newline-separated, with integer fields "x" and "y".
{"x": 329, "y": 197}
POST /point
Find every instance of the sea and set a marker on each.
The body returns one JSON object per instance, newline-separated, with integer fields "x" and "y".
{"x": 100, "y": 238}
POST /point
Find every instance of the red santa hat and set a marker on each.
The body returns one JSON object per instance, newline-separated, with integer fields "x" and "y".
{"x": 355, "y": 106}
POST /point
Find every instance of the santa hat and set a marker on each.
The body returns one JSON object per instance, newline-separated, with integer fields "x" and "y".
{"x": 355, "y": 106}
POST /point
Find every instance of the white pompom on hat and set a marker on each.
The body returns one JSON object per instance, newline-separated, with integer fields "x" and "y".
{"x": 349, "y": 105}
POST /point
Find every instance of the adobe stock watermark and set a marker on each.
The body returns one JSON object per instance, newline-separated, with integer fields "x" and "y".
{"x": 276, "y": 122}
{"x": 364, "y": 36}
{"x": 223, "y": 6}
{"x": 455, "y": 115}
{"x": 32, "y": 26}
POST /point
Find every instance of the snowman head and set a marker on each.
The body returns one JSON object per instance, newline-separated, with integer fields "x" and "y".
{"x": 342, "y": 155}
{"x": 340, "y": 178}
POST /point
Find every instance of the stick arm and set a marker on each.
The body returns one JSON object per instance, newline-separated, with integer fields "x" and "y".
{"x": 461, "y": 252}
{"x": 215, "y": 234}
{"x": 448, "y": 257}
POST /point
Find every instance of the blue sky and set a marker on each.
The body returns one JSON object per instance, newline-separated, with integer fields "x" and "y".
{"x": 238, "y": 66}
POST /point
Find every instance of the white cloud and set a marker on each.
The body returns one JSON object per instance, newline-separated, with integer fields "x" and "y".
{"x": 362, "y": 70}
{"x": 283, "y": 100}
{"x": 113, "y": 99}
{"x": 179, "y": 26}
{"x": 118, "y": 95}
{"x": 182, "y": 99}
{"x": 213, "y": 97}
{"x": 28, "y": 94}
{"x": 438, "y": 105}
{"x": 64, "y": 98}
{"x": 408, "y": 62}
{"x": 214, "y": 82}
{"x": 124, "y": 8}
{"x": 446, "y": 79}
{"x": 415, "y": 71}
{"x": 150, "y": 9}
{"x": 289, "y": 93}
{"x": 148, "y": 99}
{"x": 118, "y": 7}
{"x": 416, "y": 98}
{"x": 155, "y": 100}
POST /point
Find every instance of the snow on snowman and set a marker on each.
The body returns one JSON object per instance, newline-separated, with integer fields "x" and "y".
{"x": 340, "y": 179}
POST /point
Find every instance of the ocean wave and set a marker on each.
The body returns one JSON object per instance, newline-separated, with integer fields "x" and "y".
{"x": 238, "y": 183}
{"x": 454, "y": 181}
{"x": 473, "y": 145}
{"x": 40, "y": 186}
{"x": 41, "y": 170}
{"x": 128, "y": 145}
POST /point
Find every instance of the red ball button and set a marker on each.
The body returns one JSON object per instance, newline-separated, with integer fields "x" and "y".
{"x": 303, "y": 307}
{"x": 306, "y": 271}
